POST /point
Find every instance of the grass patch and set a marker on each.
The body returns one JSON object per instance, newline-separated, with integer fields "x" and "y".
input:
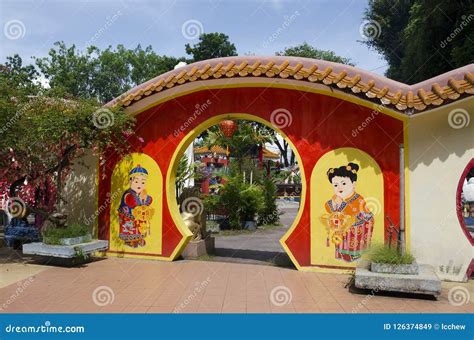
{"x": 384, "y": 254}
{"x": 233, "y": 232}
{"x": 53, "y": 235}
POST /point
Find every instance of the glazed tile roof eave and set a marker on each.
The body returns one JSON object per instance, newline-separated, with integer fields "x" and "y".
{"x": 407, "y": 99}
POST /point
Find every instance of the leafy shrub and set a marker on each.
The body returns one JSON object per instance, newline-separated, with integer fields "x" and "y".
{"x": 238, "y": 200}
{"x": 384, "y": 254}
{"x": 269, "y": 213}
{"x": 252, "y": 202}
{"x": 230, "y": 200}
{"x": 53, "y": 235}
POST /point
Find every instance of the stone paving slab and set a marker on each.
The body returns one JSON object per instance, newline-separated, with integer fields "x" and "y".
{"x": 113, "y": 285}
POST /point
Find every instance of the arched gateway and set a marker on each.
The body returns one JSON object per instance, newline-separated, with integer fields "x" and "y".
{"x": 333, "y": 115}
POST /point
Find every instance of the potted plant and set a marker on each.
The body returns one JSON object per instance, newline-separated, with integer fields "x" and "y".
{"x": 68, "y": 236}
{"x": 385, "y": 259}
{"x": 252, "y": 202}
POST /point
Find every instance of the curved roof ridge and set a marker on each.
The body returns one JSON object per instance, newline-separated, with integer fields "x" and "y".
{"x": 426, "y": 94}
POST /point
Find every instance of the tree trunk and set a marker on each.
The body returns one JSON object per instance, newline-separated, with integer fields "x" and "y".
{"x": 292, "y": 159}
{"x": 283, "y": 150}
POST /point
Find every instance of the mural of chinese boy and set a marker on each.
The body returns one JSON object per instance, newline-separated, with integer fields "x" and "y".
{"x": 135, "y": 211}
{"x": 349, "y": 224}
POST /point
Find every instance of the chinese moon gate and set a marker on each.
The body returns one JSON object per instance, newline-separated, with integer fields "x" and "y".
{"x": 344, "y": 124}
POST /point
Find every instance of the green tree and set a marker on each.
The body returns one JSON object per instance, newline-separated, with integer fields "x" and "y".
{"x": 211, "y": 45}
{"x": 110, "y": 74}
{"x": 101, "y": 74}
{"x": 42, "y": 135}
{"x": 421, "y": 38}
{"x": 145, "y": 64}
{"x": 18, "y": 76}
{"x": 68, "y": 69}
{"x": 305, "y": 50}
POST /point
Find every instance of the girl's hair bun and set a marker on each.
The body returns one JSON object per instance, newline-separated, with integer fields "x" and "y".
{"x": 353, "y": 166}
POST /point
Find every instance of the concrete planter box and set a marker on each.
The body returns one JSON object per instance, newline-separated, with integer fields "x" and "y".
{"x": 199, "y": 248}
{"x": 66, "y": 252}
{"x": 425, "y": 282}
{"x": 72, "y": 240}
{"x": 411, "y": 269}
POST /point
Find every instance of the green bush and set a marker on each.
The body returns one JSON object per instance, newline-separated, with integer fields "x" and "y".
{"x": 211, "y": 203}
{"x": 252, "y": 201}
{"x": 269, "y": 213}
{"x": 238, "y": 200}
{"x": 384, "y": 254}
{"x": 53, "y": 235}
{"x": 230, "y": 200}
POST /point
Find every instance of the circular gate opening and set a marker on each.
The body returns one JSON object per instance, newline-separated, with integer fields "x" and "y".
{"x": 238, "y": 188}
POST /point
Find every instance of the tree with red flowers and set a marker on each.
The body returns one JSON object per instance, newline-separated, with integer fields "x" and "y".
{"x": 42, "y": 135}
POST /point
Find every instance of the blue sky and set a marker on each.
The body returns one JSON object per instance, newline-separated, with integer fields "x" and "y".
{"x": 258, "y": 27}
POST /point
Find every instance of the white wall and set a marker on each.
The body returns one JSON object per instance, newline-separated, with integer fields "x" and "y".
{"x": 438, "y": 155}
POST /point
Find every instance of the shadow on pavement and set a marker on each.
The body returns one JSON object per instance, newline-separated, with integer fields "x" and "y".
{"x": 253, "y": 256}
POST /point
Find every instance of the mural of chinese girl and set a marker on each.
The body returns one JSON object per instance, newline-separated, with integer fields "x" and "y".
{"x": 135, "y": 211}
{"x": 349, "y": 223}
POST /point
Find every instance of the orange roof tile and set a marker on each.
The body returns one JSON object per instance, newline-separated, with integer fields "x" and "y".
{"x": 270, "y": 154}
{"x": 215, "y": 148}
{"x": 437, "y": 91}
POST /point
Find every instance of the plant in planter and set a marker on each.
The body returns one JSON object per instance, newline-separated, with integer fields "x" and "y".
{"x": 386, "y": 259}
{"x": 393, "y": 270}
{"x": 70, "y": 235}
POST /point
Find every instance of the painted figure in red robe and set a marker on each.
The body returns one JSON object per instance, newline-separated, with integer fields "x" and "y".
{"x": 349, "y": 223}
{"x": 135, "y": 210}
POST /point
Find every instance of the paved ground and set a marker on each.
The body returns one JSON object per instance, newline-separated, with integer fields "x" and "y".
{"x": 112, "y": 285}
{"x": 125, "y": 285}
{"x": 14, "y": 266}
{"x": 261, "y": 246}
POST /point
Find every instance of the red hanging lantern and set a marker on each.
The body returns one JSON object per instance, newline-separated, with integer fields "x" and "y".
{"x": 228, "y": 127}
